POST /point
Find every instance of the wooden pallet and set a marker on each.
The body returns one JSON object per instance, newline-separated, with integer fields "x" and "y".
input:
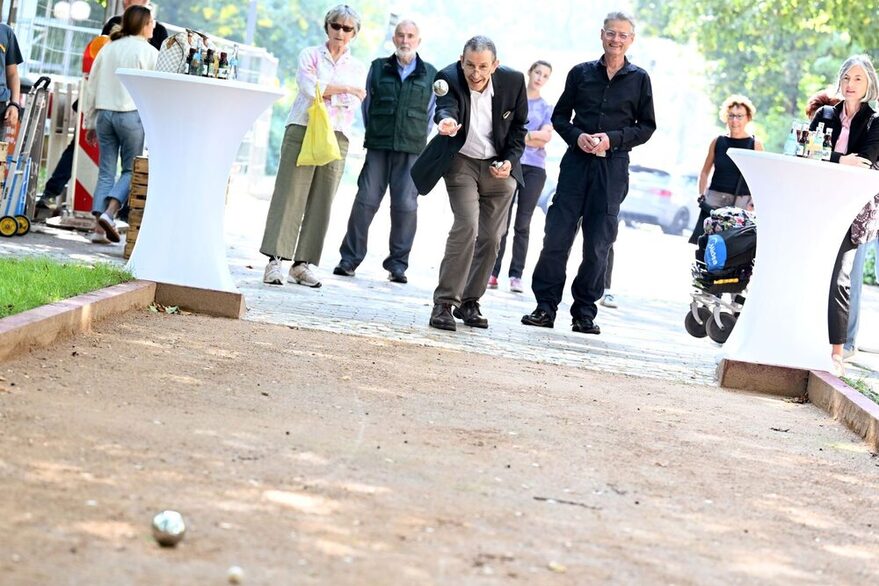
{"x": 137, "y": 196}
{"x": 141, "y": 165}
{"x": 136, "y": 201}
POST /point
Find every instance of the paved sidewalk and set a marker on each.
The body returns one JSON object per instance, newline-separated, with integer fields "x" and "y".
{"x": 644, "y": 337}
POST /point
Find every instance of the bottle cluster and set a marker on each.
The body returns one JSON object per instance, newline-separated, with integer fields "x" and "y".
{"x": 810, "y": 144}
{"x": 210, "y": 63}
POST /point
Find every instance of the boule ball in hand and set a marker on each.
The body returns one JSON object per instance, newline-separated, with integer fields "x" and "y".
{"x": 440, "y": 87}
{"x": 168, "y": 528}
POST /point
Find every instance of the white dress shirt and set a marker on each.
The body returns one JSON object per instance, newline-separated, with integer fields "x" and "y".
{"x": 103, "y": 90}
{"x": 480, "y": 139}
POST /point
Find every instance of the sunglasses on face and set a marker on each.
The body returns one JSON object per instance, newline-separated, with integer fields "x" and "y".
{"x": 341, "y": 27}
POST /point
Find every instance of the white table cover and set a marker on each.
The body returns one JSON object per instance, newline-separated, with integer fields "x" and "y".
{"x": 194, "y": 127}
{"x": 804, "y": 208}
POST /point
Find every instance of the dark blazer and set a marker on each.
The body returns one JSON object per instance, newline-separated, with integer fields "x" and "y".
{"x": 509, "y": 116}
{"x": 863, "y": 137}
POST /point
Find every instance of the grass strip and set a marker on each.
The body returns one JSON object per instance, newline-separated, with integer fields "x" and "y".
{"x": 30, "y": 282}
{"x": 862, "y": 387}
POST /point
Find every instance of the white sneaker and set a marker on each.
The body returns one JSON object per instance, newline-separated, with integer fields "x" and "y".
{"x": 608, "y": 301}
{"x": 302, "y": 275}
{"x": 516, "y": 285}
{"x": 274, "y": 274}
{"x": 109, "y": 226}
{"x": 98, "y": 238}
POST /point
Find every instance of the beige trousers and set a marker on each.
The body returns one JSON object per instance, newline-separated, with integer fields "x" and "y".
{"x": 480, "y": 203}
{"x": 299, "y": 214}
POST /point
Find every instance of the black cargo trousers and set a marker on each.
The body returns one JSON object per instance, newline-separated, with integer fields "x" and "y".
{"x": 590, "y": 188}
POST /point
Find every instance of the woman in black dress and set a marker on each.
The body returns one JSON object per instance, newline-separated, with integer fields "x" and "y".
{"x": 727, "y": 187}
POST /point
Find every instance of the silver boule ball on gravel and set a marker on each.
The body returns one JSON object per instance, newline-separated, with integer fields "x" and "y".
{"x": 235, "y": 574}
{"x": 440, "y": 87}
{"x": 168, "y": 528}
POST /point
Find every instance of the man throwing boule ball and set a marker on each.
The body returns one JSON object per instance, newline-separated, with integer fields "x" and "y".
{"x": 481, "y": 112}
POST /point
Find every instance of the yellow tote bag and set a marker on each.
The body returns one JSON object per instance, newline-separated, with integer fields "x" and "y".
{"x": 319, "y": 146}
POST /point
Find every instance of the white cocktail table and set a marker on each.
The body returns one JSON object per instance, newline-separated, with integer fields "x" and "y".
{"x": 193, "y": 128}
{"x": 803, "y": 208}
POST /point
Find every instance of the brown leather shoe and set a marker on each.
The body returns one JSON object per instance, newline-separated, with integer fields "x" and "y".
{"x": 441, "y": 317}
{"x": 469, "y": 312}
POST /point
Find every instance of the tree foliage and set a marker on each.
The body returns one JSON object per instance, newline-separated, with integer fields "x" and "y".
{"x": 777, "y": 53}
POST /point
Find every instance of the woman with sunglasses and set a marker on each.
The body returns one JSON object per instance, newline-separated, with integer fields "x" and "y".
{"x": 299, "y": 213}
{"x": 727, "y": 187}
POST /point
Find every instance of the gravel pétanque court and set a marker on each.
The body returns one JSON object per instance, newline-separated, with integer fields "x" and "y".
{"x": 347, "y": 443}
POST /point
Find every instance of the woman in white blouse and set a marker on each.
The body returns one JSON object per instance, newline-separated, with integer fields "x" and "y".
{"x": 111, "y": 118}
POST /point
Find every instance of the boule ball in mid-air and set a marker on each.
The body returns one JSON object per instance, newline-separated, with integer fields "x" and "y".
{"x": 440, "y": 87}
{"x": 168, "y": 528}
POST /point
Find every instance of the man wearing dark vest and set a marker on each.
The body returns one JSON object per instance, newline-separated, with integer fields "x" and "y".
{"x": 397, "y": 113}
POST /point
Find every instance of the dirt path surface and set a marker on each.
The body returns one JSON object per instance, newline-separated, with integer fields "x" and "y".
{"x": 314, "y": 458}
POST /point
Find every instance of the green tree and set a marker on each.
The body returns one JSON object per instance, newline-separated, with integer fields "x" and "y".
{"x": 776, "y": 53}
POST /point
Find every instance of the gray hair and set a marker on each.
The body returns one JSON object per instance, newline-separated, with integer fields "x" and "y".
{"x": 344, "y": 12}
{"x": 620, "y": 15}
{"x": 478, "y": 44}
{"x": 867, "y": 65}
{"x": 408, "y": 21}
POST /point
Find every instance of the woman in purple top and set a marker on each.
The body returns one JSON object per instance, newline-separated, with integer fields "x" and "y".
{"x": 534, "y": 171}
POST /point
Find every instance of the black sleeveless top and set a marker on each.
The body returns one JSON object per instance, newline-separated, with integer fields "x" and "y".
{"x": 726, "y": 177}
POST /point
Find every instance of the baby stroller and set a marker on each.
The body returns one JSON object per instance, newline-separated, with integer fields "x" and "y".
{"x": 721, "y": 273}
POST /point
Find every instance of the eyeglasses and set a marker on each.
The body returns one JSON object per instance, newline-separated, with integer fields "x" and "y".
{"x": 341, "y": 27}
{"x": 735, "y": 116}
{"x": 614, "y": 34}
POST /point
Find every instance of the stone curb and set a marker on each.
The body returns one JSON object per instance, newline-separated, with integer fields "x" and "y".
{"x": 840, "y": 401}
{"x": 846, "y": 405}
{"x": 44, "y": 325}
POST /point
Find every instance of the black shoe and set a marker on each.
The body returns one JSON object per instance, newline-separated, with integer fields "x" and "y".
{"x": 585, "y": 326}
{"x": 441, "y": 317}
{"x": 343, "y": 270}
{"x": 469, "y": 312}
{"x": 539, "y": 318}
{"x": 397, "y": 277}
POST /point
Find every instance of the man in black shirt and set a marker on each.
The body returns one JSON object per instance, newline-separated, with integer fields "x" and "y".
{"x": 160, "y": 33}
{"x": 611, "y": 102}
